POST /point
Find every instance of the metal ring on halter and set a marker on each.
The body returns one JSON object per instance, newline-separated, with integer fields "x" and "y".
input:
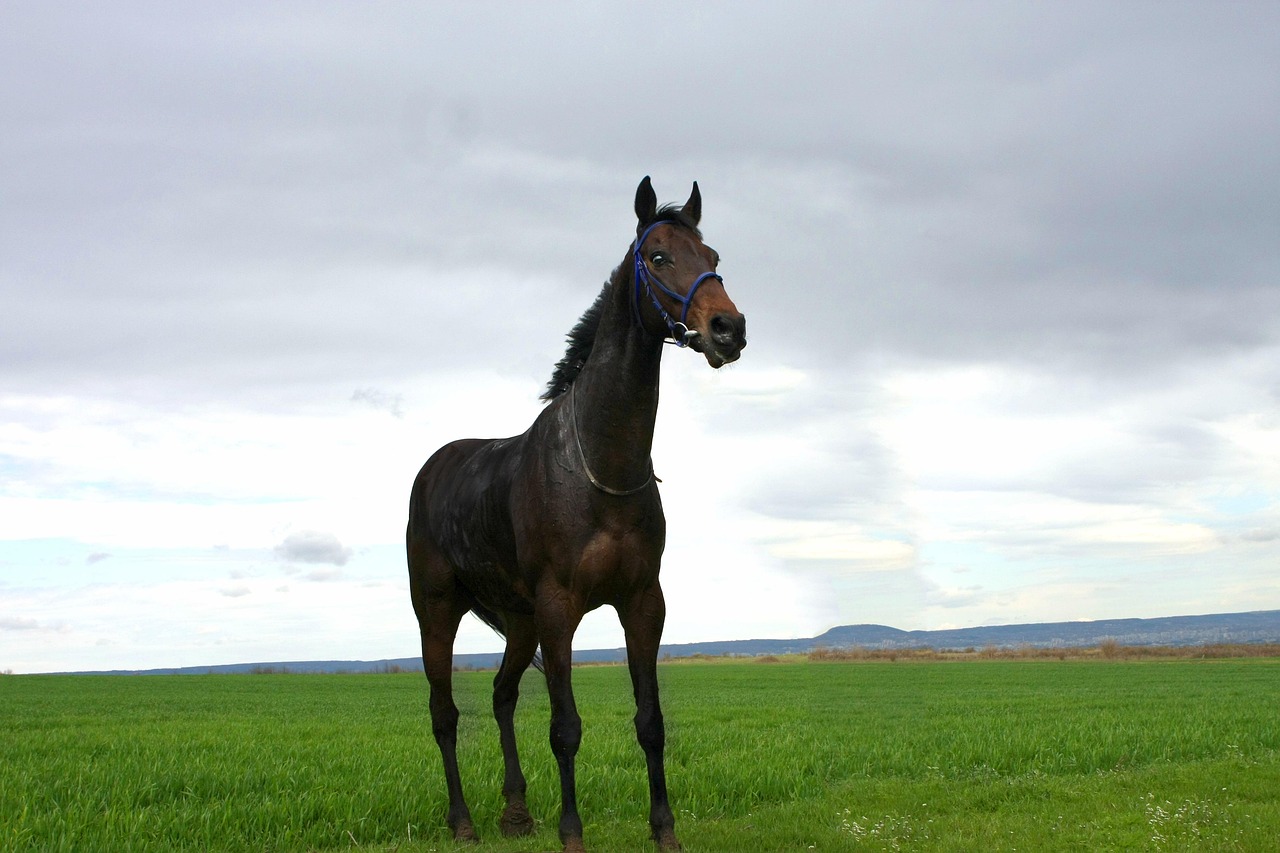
{"x": 685, "y": 337}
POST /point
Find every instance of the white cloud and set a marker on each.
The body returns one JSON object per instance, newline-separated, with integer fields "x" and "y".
{"x": 834, "y": 540}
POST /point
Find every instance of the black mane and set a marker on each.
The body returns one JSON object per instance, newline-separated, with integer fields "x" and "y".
{"x": 581, "y": 339}
{"x": 582, "y": 336}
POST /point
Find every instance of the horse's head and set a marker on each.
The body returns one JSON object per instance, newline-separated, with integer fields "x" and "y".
{"x": 678, "y": 293}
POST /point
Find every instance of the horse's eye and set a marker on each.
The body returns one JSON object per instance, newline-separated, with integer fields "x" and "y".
{"x": 659, "y": 259}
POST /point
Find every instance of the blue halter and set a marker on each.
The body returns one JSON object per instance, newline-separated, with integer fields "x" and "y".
{"x": 681, "y": 334}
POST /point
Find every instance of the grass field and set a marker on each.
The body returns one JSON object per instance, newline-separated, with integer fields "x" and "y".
{"x": 981, "y": 755}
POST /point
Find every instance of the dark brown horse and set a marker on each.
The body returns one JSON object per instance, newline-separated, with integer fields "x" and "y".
{"x": 530, "y": 533}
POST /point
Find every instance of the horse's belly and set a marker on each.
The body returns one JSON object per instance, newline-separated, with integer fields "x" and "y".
{"x": 494, "y": 586}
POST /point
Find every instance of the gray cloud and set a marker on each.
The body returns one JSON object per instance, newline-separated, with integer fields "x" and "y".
{"x": 393, "y": 404}
{"x": 310, "y": 546}
{"x": 1071, "y": 187}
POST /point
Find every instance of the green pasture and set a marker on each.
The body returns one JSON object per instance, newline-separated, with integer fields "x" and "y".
{"x": 980, "y": 755}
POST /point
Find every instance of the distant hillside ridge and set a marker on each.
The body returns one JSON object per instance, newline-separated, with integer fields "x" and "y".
{"x": 1259, "y": 626}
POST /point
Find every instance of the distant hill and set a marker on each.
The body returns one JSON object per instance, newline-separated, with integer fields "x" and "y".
{"x": 1260, "y": 626}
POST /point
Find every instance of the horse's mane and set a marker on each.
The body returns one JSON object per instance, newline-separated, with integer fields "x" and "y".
{"x": 582, "y": 336}
{"x": 581, "y": 339}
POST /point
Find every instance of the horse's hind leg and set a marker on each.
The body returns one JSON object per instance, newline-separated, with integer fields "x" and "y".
{"x": 642, "y": 619}
{"x": 438, "y": 617}
{"x": 522, "y": 642}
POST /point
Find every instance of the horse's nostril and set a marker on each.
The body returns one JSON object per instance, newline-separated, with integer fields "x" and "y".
{"x": 722, "y": 328}
{"x": 729, "y": 330}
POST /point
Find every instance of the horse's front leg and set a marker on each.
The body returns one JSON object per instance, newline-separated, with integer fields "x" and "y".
{"x": 558, "y": 617}
{"x": 642, "y": 619}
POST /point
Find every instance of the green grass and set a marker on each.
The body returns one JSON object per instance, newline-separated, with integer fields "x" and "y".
{"x": 983, "y": 755}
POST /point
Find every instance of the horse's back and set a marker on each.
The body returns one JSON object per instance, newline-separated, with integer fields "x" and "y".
{"x": 438, "y": 472}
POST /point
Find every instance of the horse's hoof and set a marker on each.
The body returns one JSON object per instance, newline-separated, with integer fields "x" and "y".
{"x": 666, "y": 840}
{"x": 465, "y": 832}
{"x": 516, "y": 821}
{"x": 574, "y": 845}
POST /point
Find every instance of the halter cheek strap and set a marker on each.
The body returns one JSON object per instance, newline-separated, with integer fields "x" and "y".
{"x": 681, "y": 335}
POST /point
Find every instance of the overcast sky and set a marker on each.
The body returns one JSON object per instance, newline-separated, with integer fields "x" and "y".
{"x": 1011, "y": 273}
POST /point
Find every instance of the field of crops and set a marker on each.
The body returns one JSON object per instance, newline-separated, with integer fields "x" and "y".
{"x": 980, "y": 755}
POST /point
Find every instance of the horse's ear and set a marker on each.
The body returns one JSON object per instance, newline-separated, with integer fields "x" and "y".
{"x": 646, "y": 202}
{"x": 693, "y": 207}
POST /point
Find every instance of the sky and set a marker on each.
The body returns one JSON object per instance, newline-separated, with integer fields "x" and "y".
{"x": 1010, "y": 272}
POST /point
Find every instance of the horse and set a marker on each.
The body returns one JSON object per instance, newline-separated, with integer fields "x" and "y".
{"x": 530, "y": 533}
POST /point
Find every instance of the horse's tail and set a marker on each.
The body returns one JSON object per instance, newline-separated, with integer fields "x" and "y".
{"x": 488, "y": 617}
{"x": 494, "y": 621}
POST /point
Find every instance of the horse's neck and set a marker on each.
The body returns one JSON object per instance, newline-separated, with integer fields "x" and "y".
{"x": 616, "y": 395}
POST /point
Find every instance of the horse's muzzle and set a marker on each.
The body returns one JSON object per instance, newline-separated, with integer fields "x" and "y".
{"x": 727, "y": 335}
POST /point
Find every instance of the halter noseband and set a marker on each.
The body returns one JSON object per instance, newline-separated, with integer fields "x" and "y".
{"x": 681, "y": 334}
